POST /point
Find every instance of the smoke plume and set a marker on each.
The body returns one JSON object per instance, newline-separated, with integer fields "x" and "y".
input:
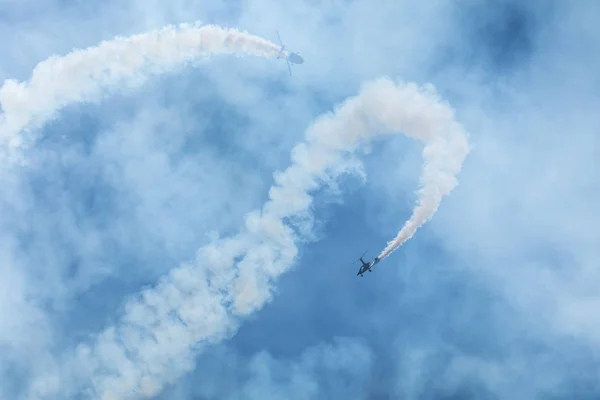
{"x": 164, "y": 327}
{"x": 88, "y": 75}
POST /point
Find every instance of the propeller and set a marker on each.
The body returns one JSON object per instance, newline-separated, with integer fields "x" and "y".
{"x": 358, "y": 259}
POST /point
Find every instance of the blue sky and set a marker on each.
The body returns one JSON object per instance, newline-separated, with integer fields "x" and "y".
{"x": 495, "y": 297}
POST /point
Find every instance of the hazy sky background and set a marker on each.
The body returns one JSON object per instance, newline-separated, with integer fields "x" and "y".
{"x": 495, "y": 298}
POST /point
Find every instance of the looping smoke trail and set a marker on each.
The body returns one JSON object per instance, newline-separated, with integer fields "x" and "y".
{"x": 96, "y": 72}
{"x": 443, "y": 155}
{"x": 201, "y": 302}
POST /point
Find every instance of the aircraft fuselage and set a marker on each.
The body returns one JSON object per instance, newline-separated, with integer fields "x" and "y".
{"x": 367, "y": 266}
{"x": 295, "y": 58}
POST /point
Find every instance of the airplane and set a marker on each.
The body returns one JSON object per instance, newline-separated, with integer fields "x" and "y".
{"x": 294, "y": 58}
{"x": 366, "y": 266}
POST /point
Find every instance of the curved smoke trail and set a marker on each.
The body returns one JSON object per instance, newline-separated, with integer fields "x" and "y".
{"x": 96, "y": 72}
{"x": 201, "y": 302}
{"x": 443, "y": 155}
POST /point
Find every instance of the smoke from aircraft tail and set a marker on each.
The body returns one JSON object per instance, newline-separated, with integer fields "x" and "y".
{"x": 201, "y": 302}
{"x": 96, "y": 72}
{"x": 446, "y": 147}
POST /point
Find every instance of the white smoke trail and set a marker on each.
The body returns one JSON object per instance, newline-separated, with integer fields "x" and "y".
{"x": 124, "y": 62}
{"x": 199, "y": 303}
{"x": 162, "y": 330}
{"x": 443, "y": 155}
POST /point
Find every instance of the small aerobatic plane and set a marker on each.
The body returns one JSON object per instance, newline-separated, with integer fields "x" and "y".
{"x": 366, "y": 266}
{"x": 293, "y": 58}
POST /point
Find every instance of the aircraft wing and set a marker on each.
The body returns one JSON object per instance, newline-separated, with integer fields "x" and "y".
{"x": 289, "y": 67}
